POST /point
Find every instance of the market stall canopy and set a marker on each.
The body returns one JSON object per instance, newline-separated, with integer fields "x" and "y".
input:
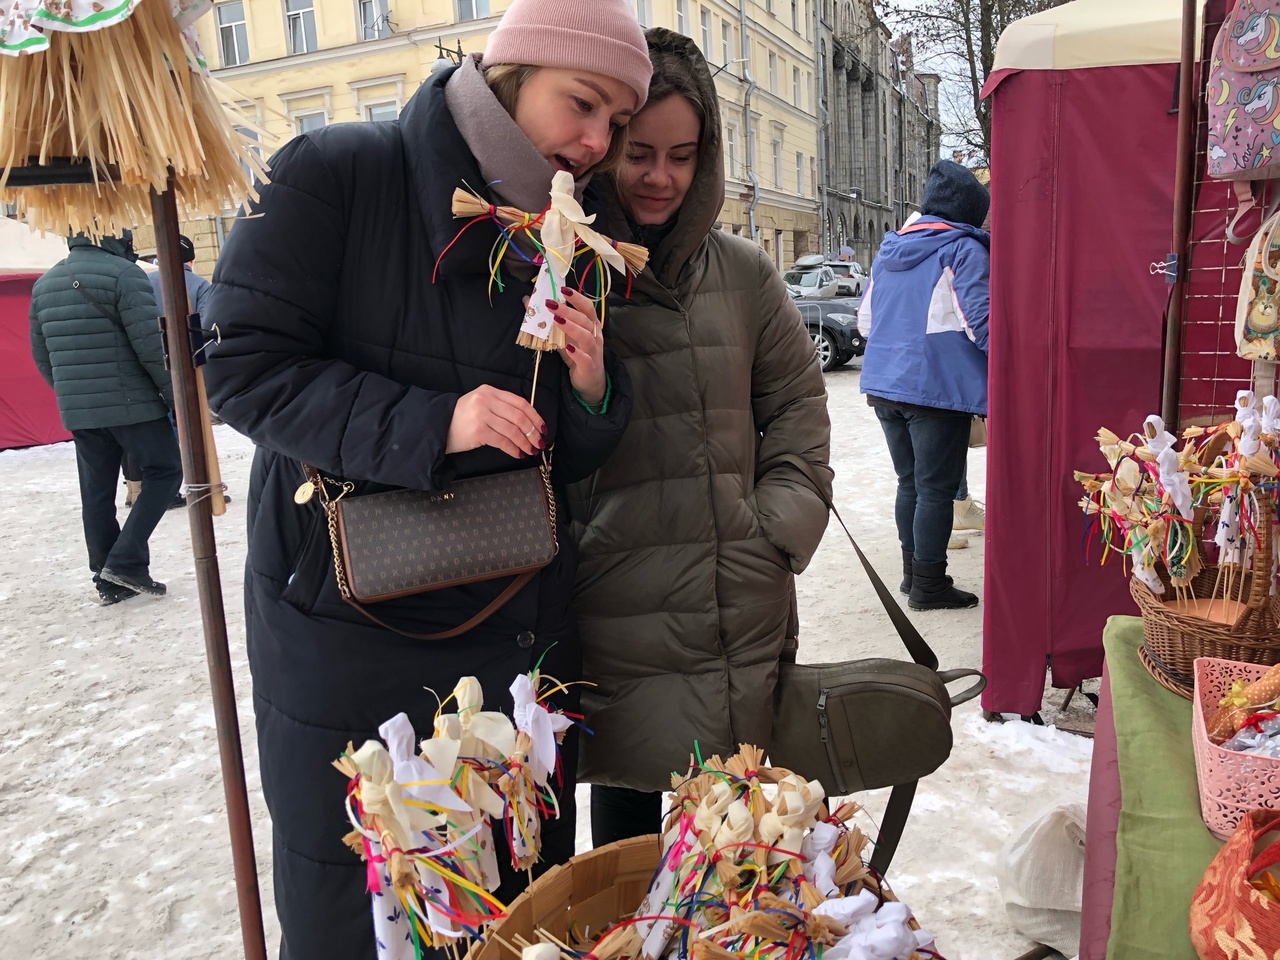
{"x": 1091, "y": 33}
{"x": 22, "y": 250}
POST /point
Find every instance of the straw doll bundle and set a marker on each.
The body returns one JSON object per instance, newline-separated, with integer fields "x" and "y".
{"x": 1159, "y": 504}
{"x": 753, "y": 864}
{"x": 131, "y": 96}
{"x": 423, "y": 819}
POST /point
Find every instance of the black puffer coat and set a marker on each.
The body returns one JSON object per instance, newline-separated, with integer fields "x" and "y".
{"x": 99, "y": 345}
{"x": 339, "y": 350}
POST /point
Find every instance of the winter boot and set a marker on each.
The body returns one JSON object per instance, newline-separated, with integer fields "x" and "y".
{"x": 905, "y": 586}
{"x": 132, "y": 489}
{"x": 957, "y": 542}
{"x": 968, "y": 515}
{"x": 932, "y": 589}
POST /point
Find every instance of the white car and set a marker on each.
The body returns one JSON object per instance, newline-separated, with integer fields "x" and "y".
{"x": 814, "y": 284}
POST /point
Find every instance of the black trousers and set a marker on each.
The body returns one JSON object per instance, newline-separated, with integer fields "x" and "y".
{"x": 618, "y": 813}
{"x": 153, "y": 447}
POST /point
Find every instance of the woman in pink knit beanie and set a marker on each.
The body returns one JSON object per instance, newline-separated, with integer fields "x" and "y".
{"x": 363, "y": 336}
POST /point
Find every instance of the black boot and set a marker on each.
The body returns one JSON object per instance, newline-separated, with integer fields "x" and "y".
{"x": 931, "y": 589}
{"x": 905, "y": 586}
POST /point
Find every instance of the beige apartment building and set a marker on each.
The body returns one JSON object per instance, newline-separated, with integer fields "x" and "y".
{"x": 302, "y": 64}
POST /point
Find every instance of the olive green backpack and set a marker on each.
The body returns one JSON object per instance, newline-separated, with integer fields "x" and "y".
{"x": 867, "y": 724}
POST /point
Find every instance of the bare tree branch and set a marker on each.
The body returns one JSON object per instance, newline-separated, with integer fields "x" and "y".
{"x": 957, "y": 39}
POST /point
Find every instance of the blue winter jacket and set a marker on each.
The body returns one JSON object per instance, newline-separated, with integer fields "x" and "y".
{"x": 924, "y": 317}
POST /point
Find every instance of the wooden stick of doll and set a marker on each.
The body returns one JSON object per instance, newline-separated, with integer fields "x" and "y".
{"x": 561, "y": 227}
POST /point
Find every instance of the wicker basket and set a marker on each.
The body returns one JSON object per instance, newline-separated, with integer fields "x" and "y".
{"x": 1171, "y": 641}
{"x": 1231, "y": 783}
{"x": 592, "y": 892}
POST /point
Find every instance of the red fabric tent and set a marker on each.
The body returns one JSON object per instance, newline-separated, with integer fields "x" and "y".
{"x": 1082, "y": 169}
{"x": 28, "y": 410}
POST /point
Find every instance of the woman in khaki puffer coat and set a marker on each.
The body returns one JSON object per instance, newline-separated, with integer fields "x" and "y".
{"x": 691, "y": 533}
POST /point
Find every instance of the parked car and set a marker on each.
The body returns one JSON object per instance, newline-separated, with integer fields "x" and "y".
{"x": 851, "y": 279}
{"x": 833, "y": 327}
{"x": 816, "y": 284}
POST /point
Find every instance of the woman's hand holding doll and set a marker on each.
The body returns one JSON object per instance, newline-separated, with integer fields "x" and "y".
{"x": 583, "y": 354}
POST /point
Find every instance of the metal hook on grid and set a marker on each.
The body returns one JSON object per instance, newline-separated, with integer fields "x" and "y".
{"x": 1168, "y": 268}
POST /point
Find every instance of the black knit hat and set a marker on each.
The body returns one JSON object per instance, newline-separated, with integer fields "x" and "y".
{"x": 186, "y": 248}
{"x": 953, "y": 193}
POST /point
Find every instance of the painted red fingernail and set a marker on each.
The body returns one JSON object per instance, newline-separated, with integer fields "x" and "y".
{"x": 570, "y": 348}
{"x": 542, "y": 444}
{"x": 552, "y": 305}
{"x": 543, "y": 428}
{"x": 560, "y": 320}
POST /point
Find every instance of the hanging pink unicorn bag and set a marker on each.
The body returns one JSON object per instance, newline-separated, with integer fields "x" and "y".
{"x": 1244, "y": 94}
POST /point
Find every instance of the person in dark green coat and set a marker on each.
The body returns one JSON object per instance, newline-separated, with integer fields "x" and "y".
{"x": 95, "y": 338}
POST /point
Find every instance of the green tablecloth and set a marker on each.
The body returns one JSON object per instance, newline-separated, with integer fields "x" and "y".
{"x": 1162, "y": 845}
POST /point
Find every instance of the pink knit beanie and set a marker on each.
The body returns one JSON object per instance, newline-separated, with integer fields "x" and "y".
{"x": 601, "y": 36}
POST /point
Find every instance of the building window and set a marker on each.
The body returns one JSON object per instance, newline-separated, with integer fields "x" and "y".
{"x": 233, "y": 38}
{"x": 813, "y": 174}
{"x": 642, "y": 12}
{"x": 473, "y": 9}
{"x": 800, "y": 174}
{"x": 249, "y": 135}
{"x": 768, "y": 6}
{"x": 795, "y": 16}
{"x": 376, "y": 112}
{"x": 726, "y": 40}
{"x": 374, "y": 22}
{"x": 777, "y": 164}
{"x": 300, "y": 21}
{"x": 737, "y": 229}
{"x": 306, "y": 122}
{"x": 773, "y": 72}
{"x": 731, "y": 150}
{"x": 795, "y": 86}
{"x": 706, "y": 33}
{"x": 682, "y": 17}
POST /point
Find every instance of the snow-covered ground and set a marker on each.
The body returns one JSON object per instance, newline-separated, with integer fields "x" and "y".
{"x": 113, "y": 831}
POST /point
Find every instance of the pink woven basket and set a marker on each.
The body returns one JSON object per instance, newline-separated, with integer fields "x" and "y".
{"x": 1231, "y": 784}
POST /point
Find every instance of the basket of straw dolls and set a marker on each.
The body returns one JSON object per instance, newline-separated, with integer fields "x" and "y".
{"x": 751, "y": 861}
{"x": 1197, "y": 528}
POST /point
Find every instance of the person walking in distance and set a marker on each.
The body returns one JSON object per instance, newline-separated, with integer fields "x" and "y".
{"x": 95, "y": 339}
{"x": 925, "y": 368}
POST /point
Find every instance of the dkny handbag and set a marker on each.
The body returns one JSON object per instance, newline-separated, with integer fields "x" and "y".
{"x": 867, "y": 724}
{"x": 406, "y": 542}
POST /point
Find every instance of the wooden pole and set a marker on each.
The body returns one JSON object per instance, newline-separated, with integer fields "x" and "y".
{"x": 1183, "y": 206}
{"x": 191, "y": 421}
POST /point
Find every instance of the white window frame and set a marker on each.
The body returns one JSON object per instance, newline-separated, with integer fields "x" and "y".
{"x": 642, "y": 12}
{"x": 731, "y": 148}
{"x": 474, "y": 10}
{"x": 799, "y": 173}
{"x": 368, "y": 107}
{"x": 682, "y": 17}
{"x": 795, "y": 16}
{"x": 775, "y": 147}
{"x": 243, "y": 31}
{"x": 726, "y": 41}
{"x": 300, "y": 16}
{"x": 795, "y": 86}
{"x": 705, "y": 22}
{"x": 298, "y": 117}
{"x": 773, "y": 72}
{"x": 379, "y": 26}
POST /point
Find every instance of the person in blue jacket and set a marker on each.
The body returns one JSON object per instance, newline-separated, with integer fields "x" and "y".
{"x": 924, "y": 317}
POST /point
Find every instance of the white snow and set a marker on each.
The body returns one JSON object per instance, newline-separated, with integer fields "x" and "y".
{"x": 115, "y": 839}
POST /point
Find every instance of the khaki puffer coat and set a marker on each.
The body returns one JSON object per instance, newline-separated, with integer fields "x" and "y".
{"x": 689, "y": 536}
